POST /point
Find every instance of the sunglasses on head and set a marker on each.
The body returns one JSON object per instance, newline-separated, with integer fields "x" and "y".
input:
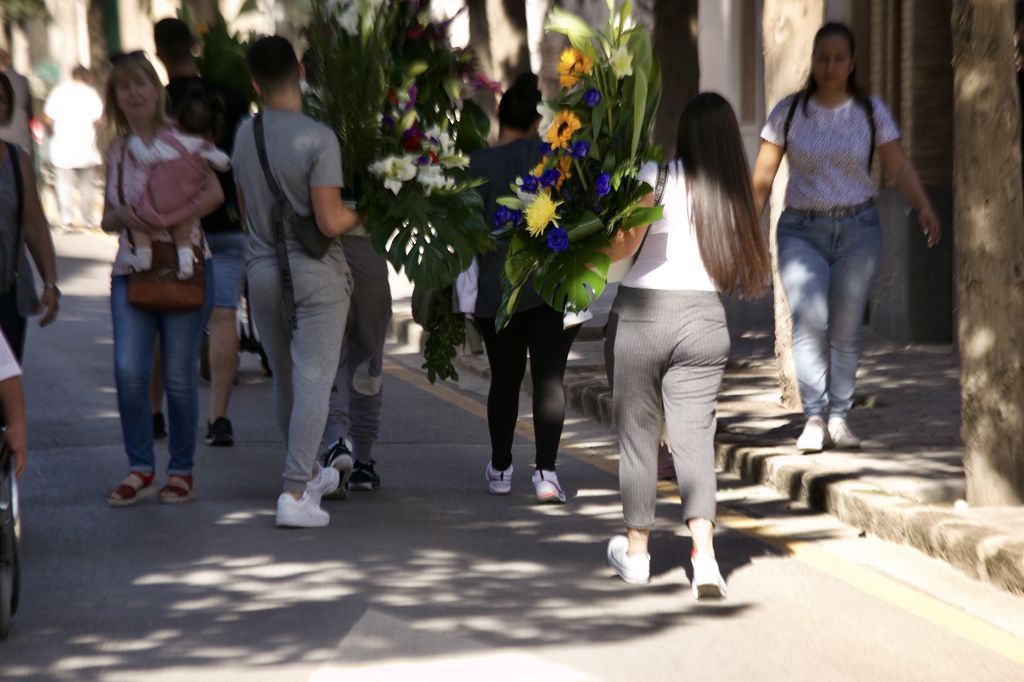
{"x": 122, "y": 57}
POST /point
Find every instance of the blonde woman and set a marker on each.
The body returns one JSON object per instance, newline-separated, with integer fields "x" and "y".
{"x": 134, "y": 105}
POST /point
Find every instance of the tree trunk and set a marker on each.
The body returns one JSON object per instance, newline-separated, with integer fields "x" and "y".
{"x": 675, "y": 44}
{"x": 497, "y": 34}
{"x": 989, "y": 220}
{"x": 789, "y": 27}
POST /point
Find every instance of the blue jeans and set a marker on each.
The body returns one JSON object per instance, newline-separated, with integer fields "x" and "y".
{"x": 135, "y": 332}
{"x": 828, "y": 268}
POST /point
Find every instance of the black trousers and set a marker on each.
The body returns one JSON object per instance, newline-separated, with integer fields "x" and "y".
{"x": 540, "y": 332}
{"x": 12, "y": 324}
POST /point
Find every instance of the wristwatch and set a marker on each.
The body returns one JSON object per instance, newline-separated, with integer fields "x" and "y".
{"x": 51, "y": 285}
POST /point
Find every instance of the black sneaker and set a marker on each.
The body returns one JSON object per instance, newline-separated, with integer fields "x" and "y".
{"x": 159, "y": 426}
{"x": 219, "y": 433}
{"x": 339, "y": 456}
{"x": 364, "y": 477}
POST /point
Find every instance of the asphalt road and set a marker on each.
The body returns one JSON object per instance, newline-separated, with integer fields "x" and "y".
{"x": 430, "y": 577}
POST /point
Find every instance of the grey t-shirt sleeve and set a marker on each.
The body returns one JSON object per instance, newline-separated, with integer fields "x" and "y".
{"x": 774, "y": 127}
{"x": 325, "y": 166}
{"x": 886, "y": 129}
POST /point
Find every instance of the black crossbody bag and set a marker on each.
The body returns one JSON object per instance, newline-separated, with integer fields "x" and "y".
{"x": 304, "y": 228}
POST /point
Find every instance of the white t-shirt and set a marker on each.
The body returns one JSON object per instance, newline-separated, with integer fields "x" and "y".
{"x": 828, "y": 151}
{"x": 75, "y": 108}
{"x": 8, "y": 364}
{"x": 670, "y": 258}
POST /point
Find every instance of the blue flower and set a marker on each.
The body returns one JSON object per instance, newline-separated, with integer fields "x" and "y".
{"x": 580, "y": 149}
{"x": 592, "y": 98}
{"x": 516, "y": 217}
{"x": 529, "y": 184}
{"x": 558, "y": 239}
{"x": 603, "y": 184}
{"x": 545, "y": 149}
{"x": 502, "y": 216}
{"x": 550, "y": 177}
{"x": 423, "y": 160}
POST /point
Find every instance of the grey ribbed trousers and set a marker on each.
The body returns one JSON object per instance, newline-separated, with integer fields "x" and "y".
{"x": 665, "y": 352}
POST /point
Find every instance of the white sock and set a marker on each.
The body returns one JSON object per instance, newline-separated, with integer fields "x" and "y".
{"x": 185, "y": 260}
{"x": 143, "y": 258}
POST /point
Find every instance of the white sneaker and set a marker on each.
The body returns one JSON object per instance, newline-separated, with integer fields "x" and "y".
{"x": 841, "y": 435}
{"x": 815, "y": 436}
{"x": 635, "y": 570}
{"x": 300, "y": 513}
{"x": 499, "y": 482}
{"x": 326, "y": 482}
{"x": 547, "y": 487}
{"x": 708, "y": 582}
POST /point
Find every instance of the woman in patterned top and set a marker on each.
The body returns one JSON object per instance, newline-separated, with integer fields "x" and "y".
{"x": 134, "y": 105}
{"x": 829, "y": 236}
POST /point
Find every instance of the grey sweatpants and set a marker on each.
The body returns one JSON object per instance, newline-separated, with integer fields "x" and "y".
{"x": 666, "y": 352}
{"x": 304, "y": 364}
{"x": 357, "y": 393}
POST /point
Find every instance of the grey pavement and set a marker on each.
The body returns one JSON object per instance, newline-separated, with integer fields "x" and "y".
{"x": 901, "y": 486}
{"x": 429, "y": 577}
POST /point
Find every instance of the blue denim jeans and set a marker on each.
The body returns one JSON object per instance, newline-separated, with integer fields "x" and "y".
{"x": 828, "y": 268}
{"x": 135, "y": 332}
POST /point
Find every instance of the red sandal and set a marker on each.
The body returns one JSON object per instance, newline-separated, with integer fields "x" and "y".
{"x": 135, "y": 487}
{"x": 178, "y": 489}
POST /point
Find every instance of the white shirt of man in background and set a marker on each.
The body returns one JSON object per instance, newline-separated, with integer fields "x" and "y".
{"x": 73, "y": 110}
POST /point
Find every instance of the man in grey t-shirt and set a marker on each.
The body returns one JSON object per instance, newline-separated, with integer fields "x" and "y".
{"x": 305, "y": 161}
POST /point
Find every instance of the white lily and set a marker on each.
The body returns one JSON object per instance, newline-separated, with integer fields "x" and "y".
{"x": 621, "y": 62}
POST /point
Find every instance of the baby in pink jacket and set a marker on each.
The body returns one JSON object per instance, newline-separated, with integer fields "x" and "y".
{"x": 178, "y": 161}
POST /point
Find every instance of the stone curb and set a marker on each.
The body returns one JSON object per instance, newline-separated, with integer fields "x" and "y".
{"x": 981, "y": 552}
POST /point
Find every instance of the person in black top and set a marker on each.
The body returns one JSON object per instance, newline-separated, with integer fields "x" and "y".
{"x": 223, "y": 227}
{"x": 535, "y": 326}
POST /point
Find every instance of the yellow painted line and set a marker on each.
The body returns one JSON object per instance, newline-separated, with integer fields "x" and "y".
{"x": 928, "y": 608}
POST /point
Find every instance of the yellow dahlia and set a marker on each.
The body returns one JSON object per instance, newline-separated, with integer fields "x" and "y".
{"x": 572, "y": 65}
{"x": 540, "y": 213}
{"x": 562, "y": 129}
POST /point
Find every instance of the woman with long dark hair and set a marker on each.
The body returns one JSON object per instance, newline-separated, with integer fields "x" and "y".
{"x": 535, "y": 326}
{"x": 667, "y": 341}
{"x": 829, "y": 236}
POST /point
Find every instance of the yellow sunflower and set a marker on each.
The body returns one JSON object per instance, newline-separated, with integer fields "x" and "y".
{"x": 572, "y": 65}
{"x": 563, "y": 128}
{"x": 540, "y": 213}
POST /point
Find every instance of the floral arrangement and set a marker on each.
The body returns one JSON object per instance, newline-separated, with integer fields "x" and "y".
{"x": 389, "y": 83}
{"x": 586, "y": 187}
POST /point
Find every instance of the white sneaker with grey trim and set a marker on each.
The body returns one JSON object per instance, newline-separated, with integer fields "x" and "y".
{"x": 498, "y": 482}
{"x": 547, "y": 487}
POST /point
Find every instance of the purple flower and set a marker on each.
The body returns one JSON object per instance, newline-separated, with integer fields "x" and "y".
{"x": 423, "y": 160}
{"x": 580, "y": 149}
{"x": 502, "y": 216}
{"x": 603, "y": 184}
{"x": 592, "y": 98}
{"x": 558, "y": 239}
{"x": 529, "y": 184}
{"x": 413, "y": 94}
{"x": 389, "y": 121}
{"x": 549, "y": 177}
{"x": 545, "y": 149}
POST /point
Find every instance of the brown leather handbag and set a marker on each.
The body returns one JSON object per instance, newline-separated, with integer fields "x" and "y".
{"x": 159, "y": 289}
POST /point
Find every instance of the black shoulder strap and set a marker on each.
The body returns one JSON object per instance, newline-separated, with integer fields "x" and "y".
{"x": 789, "y": 122}
{"x": 277, "y": 225}
{"x": 659, "y": 187}
{"x": 19, "y": 186}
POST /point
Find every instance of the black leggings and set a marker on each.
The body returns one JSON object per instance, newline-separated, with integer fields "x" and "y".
{"x": 539, "y": 330}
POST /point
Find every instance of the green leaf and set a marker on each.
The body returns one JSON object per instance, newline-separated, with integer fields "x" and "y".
{"x": 580, "y": 33}
{"x": 597, "y": 118}
{"x": 641, "y": 216}
{"x": 639, "y": 106}
{"x": 569, "y": 281}
{"x": 588, "y": 225}
{"x": 515, "y": 203}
